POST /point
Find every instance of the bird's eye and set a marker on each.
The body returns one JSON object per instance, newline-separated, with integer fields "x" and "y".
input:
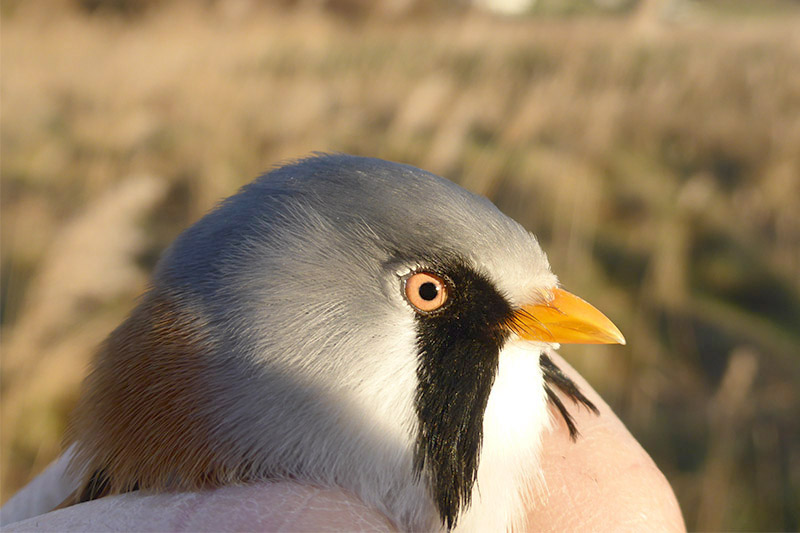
{"x": 425, "y": 291}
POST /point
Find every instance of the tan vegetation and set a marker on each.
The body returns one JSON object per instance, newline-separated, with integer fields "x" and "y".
{"x": 657, "y": 160}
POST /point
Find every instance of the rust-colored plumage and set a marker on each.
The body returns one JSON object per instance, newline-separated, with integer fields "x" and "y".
{"x": 144, "y": 418}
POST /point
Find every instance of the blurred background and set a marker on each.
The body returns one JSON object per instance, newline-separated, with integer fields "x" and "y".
{"x": 652, "y": 145}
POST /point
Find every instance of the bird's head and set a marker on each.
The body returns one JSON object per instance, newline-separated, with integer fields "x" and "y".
{"x": 340, "y": 320}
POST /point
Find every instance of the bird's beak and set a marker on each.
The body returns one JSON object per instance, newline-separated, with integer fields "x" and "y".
{"x": 565, "y": 319}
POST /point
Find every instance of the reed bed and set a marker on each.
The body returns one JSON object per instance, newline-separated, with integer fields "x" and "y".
{"x": 657, "y": 161}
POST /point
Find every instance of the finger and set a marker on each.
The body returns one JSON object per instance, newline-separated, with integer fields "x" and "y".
{"x": 603, "y": 482}
{"x": 282, "y": 506}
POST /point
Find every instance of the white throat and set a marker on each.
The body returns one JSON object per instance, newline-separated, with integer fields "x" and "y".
{"x": 515, "y": 418}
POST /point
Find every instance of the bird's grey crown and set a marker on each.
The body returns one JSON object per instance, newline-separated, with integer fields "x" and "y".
{"x": 377, "y": 208}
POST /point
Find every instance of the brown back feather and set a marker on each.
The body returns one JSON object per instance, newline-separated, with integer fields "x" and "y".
{"x": 144, "y": 418}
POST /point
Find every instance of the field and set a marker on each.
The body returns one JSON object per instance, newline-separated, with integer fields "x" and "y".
{"x": 657, "y": 159}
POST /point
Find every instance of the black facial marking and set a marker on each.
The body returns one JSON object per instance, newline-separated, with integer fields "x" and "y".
{"x": 459, "y": 348}
{"x": 554, "y": 375}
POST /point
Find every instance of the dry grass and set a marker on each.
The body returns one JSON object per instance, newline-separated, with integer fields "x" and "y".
{"x": 658, "y": 163}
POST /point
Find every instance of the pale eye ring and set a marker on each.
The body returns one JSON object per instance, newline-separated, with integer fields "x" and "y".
{"x": 425, "y": 291}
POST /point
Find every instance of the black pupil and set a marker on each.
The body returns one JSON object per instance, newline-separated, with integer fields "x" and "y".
{"x": 428, "y": 291}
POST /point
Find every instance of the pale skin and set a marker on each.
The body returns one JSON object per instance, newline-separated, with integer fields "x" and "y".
{"x": 603, "y": 482}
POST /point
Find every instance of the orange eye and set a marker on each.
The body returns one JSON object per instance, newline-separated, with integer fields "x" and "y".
{"x": 425, "y": 291}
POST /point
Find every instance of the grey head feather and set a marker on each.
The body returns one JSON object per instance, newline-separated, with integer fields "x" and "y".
{"x": 298, "y": 279}
{"x": 375, "y": 205}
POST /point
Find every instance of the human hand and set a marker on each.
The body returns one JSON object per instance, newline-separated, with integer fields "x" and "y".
{"x": 603, "y": 482}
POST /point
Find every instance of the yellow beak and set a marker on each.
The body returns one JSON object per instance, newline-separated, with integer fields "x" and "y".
{"x": 565, "y": 319}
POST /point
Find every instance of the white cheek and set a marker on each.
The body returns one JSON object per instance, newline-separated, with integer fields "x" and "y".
{"x": 384, "y": 382}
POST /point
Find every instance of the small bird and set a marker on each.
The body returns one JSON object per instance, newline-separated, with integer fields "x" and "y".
{"x": 348, "y": 322}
